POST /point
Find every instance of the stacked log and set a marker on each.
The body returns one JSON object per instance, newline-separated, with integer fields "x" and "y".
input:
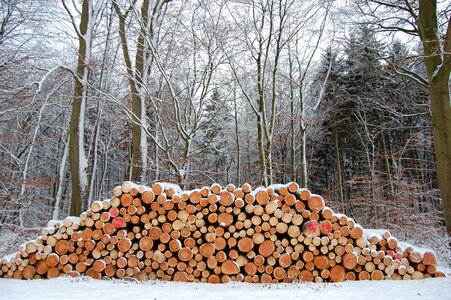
{"x": 281, "y": 233}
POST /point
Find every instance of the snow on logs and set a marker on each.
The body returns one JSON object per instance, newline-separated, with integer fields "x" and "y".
{"x": 281, "y": 233}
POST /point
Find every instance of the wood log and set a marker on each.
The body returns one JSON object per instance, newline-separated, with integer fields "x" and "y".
{"x": 349, "y": 261}
{"x": 304, "y": 194}
{"x": 326, "y": 227}
{"x": 207, "y": 250}
{"x": 52, "y": 260}
{"x": 377, "y": 275}
{"x": 246, "y": 188}
{"x": 124, "y": 244}
{"x": 306, "y": 276}
{"x": 245, "y": 244}
{"x": 215, "y": 189}
{"x": 126, "y": 200}
{"x": 429, "y": 258}
{"x": 294, "y": 231}
{"x": 356, "y": 232}
{"x": 99, "y": 266}
{"x": 262, "y": 197}
{"x": 42, "y": 267}
{"x": 53, "y": 272}
{"x": 185, "y": 254}
{"x": 281, "y": 227}
{"x": 93, "y": 273}
{"x": 315, "y": 203}
{"x": 31, "y": 247}
{"x": 321, "y": 262}
{"x": 439, "y": 274}
{"x": 180, "y": 276}
{"x": 250, "y": 268}
{"x": 266, "y": 248}
{"x": 285, "y": 260}
{"x": 230, "y": 267}
{"x": 392, "y": 243}
{"x": 195, "y": 196}
{"x": 119, "y": 222}
{"x": 145, "y": 243}
{"x": 337, "y": 273}
{"x": 279, "y": 273}
{"x": 29, "y": 272}
{"x": 225, "y": 219}
{"x": 276, "y": 234}
{"x": 292, "y": 187}
{"x": 117, "y": 191}
{"x": 289, "y": 199}
{"x": 226, "y": 198}
{"x": 148, "y": 196}
{"x": 308, "y": 256}
{"x": 311, "y": 229}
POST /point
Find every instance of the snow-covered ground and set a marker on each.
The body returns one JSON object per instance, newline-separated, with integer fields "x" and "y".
{"x": 85, "y": 288}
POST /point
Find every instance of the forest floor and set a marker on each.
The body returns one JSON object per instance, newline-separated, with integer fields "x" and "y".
{"x": 84, "y": 287}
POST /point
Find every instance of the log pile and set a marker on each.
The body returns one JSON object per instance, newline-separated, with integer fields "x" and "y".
{"x": 281, "y": 233}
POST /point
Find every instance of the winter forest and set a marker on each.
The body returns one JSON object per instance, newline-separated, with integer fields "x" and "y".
{"x": 348, "y": 98}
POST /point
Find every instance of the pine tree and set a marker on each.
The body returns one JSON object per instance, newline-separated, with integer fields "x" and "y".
{"x": 217, "y": 130}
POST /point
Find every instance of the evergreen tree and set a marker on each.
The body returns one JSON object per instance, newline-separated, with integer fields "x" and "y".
{"x": 216, "y": 136}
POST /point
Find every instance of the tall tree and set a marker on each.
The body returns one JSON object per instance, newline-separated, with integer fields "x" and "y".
{"x": 138, "y": 76}
{"x": 265, "y": 28}
{"x": 77, "y": 154}
{"x": 437, "y": 58}
{"x": 218, "y": 126}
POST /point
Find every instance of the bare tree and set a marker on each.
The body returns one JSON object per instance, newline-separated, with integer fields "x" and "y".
{"x": 267, "y": 30}
{"x": 138, "y": 75}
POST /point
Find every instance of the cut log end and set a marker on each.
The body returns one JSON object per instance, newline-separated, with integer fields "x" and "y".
{"x": 337, "y": 273}
{"x": 230, "y": 267}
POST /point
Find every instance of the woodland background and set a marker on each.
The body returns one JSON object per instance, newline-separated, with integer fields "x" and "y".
{"x": 330, "y": 94}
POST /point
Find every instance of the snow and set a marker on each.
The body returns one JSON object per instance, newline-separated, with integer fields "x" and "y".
{"x": 276, "y": 187}
{"x": 8, "y": 257}
{"x": 83, "y": 288}
{"x": 405, "y": 245}
{"x": 374, "y": 232}
{"x": 75, "y": 220}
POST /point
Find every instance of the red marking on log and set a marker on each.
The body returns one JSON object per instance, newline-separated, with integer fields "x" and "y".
{"x": 119, "y": 222}
{"x": 312, "y": 227}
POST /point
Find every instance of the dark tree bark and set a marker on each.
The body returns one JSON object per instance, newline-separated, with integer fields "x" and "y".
{"x": 77, "y": 156}
{"x": 437, "y": 59}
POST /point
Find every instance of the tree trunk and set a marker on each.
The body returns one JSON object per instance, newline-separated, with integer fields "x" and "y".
{"x": 136, "y": 75}
{"x": 261, "y": 121}
{"x": 237, "y": 139}
{"x": 437, "y": 60}
{"x": 441, "y": 122}
{"x": 391, "y": 192}
{"x": 292, "y": 131}
{"x": 61, "y": 173}
{"x": 261, "y": 152}
{"x": 303, "y": 149}
{"x": 93, "y": 164}
{"x": 139, "y": 140}
{"x": 339, "y": 170}
{"x": 77, "y": 156}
